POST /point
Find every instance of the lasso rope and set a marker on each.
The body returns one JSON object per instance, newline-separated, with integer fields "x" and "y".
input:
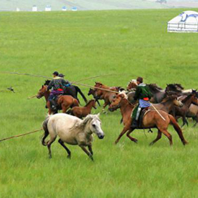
{"x": 15, "y": 136}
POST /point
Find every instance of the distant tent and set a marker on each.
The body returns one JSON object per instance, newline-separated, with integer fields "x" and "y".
{"x": 187, "y": 21}
{"x": 74, "y": 8}
{"x": 64, "y": 8}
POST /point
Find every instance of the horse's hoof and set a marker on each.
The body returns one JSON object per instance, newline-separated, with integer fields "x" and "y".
{"x": 69, "y": 156}
{"x": 136, "y": 141}
{"x": 91, "y": 157}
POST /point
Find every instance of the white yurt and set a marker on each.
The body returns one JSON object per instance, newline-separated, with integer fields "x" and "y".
{"x": 187, "y": 21}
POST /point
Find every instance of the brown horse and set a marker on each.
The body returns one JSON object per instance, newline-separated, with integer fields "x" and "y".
{"x": 64, "y": 102}
{"x": 151, "y": 120}
{"x": 132, "y": 85}
{"x": 81, "y": 112}
{"x": 168, "y": 104}
{"x": 187, "y": 101}
{"x": 107, "y": 95}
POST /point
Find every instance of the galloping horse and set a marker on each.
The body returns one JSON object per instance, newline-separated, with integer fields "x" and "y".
{"x": 81, "y": 112}
{"x": 187, "y": 101}
{"x": 72, "y": 130}
{"x": 64, "y": 102}
{"x": 107, "y": 95}
{"x": 151, "y": 120}
{"x": 71, "y": 90}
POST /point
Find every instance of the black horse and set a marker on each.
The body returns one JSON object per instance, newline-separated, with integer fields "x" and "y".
{"x": 71, "y": 90}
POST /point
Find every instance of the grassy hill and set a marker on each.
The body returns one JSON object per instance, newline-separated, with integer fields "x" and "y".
{"x": 26, "y": 5}
{"x": 84, "y": 44}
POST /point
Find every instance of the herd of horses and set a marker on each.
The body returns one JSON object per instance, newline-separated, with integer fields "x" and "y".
{"x": 170, "y": 103}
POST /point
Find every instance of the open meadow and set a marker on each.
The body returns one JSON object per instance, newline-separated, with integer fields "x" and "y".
{"x": 81, "y": 45}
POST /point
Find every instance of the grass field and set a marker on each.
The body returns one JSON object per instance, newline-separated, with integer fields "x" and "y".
{"x": 80, "y": 45}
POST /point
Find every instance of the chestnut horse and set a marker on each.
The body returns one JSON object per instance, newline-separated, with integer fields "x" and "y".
{"x": 151, "y": 120}
{"x": 81, "y": 112}
{"x": 107, "y": 95}
{"x": 64, "y": 102}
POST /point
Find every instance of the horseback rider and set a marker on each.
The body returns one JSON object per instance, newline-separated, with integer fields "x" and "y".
{"x": 142, "y": 94}
{"x": 57, "y": 86}
{"x": 65, "y": 85}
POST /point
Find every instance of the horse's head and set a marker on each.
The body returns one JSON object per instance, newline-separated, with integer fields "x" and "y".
{"x": 132, "y": 85}
{"x": 91, "y": 92}
{"x": 94, "y": 125}
{"x": 194, "y": 97}
{"x": 115, "y": 104}
{"x": 94, "y": 104}
{"x": 47, "y": 82}
{"x": 42, "y": 91}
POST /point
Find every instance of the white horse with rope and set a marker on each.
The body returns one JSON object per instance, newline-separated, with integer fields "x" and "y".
{"x": 72, "y": 130}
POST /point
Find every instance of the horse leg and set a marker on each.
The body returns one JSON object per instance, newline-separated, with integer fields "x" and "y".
{"x": 196, "y": 121}
{"x": 63, "y": 145}
{"x": 49, "y": 146}
{"x": 87, "y": 152}
{"x": 184, "y": 121}
{"x": 131, "y": 138}
{"x": 168, "y": 135}
{"x": 64, "y": 108}
{"x": 124, "y": 130}
{"x": 90, "y": 149}
{"x": 159, "y": 135}
{"x": 104, "y": 106}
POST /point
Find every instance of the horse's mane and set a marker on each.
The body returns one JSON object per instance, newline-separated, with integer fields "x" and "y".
{"x": 88, "y": 118}
{"x": 168, "y": 98}
{"x": 154, "y": 88}
{"x": 47, "y": 82}
{"x": 174, "y": 87}
{"x": 187, "y": 98}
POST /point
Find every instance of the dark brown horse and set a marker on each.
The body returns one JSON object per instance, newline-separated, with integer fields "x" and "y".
{"x": 168, "y": 104}
{"x": 81, "y": 112}
{"x": 151, "y": 120}
{"x": 64, "y": 102}
{"x": 187, "y": 101}
{"x": 92, "y": 92}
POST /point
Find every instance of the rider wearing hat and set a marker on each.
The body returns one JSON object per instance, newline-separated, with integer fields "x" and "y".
{"x": 142, "y": 94}
{"x": 57, "y": 86}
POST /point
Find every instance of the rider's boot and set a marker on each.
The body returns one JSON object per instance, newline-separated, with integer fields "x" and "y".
{"x": 53, "y": 105}
{"x": 134, "y": 123}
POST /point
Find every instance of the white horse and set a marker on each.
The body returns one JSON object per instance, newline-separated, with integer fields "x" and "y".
{"x": 72, "y": 130}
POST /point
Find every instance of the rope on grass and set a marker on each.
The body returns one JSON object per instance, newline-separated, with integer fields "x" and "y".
{"x": 16, "y": 136}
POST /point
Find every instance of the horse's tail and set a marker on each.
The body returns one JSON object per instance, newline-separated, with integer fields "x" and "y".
{"x": 81, "y": 93}
{"x": 177, "y": 129}
{"x": 46, "y": 132}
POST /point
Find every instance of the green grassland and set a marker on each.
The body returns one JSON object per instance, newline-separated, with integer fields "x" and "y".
{"x": 81, "y": 45}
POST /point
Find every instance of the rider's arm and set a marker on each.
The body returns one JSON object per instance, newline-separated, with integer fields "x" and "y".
{"x": 50, "y": 85}
{"x": 66, "y": 83}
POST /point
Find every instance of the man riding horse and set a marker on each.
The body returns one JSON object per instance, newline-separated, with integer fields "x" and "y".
{"x": 57, "y": 85}
{"x": 142, "y": 94}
